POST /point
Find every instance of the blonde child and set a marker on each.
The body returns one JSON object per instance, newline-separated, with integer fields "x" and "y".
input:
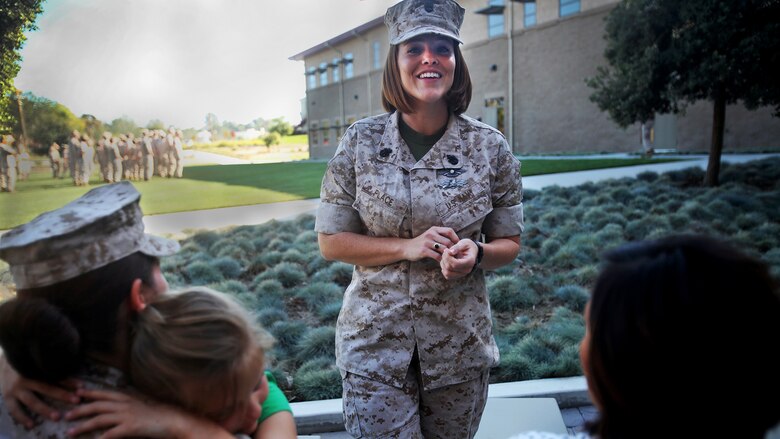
{"x": 197, "y": 350}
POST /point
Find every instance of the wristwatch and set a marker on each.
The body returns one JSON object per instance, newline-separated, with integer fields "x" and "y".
{"x": 480, "y": 254}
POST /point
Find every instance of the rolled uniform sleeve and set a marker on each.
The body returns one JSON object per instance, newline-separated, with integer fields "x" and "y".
{"x": 506, "y": 218}
{"x": 337, "y": 195}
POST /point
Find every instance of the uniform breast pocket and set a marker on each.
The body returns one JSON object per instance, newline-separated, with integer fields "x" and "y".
{"x": 461, "y": 207}
{"x": 380, "y": 215}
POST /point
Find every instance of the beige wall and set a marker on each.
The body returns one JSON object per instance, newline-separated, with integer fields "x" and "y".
{"x": 552, "y": 109}
{"x": 745, "y": 130}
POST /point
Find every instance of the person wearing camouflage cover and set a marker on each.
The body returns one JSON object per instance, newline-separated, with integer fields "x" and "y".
{"x": 147, "y": 156}
{"x": 80, "y": 272}
{"x": 56, "y": 161}
{"x": 7, "y": 164}
{"x": 83, "y": 273}
{"x": 75, "y": 158}
{"x": 407, "y": 199}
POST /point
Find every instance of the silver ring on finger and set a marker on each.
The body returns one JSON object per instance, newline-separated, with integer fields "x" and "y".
{"x": 436, "y": 246}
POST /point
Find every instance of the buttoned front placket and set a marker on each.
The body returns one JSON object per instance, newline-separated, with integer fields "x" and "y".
{"x": 390, "y": 309}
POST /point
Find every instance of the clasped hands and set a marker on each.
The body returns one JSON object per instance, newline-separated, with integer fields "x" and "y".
{"x": 456, "y": 256}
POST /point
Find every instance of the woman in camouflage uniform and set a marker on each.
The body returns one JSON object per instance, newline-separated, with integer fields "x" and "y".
{"x": 407, "y": 199}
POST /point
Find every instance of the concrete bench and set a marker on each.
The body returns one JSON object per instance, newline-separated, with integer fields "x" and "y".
{"x": 505, "y": 417}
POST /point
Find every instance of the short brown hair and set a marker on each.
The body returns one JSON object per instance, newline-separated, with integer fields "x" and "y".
{"x": 195, "y": 336}
{"x": 394, "y": 97}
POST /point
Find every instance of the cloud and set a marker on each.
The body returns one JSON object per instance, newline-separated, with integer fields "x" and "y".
{"x": 177, "y": 60}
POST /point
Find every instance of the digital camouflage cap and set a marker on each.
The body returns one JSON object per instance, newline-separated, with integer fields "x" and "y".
{"x": 411, "y": 18}
{"x": 101, "y": 227}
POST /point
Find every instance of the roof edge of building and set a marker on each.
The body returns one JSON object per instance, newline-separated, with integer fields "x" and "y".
{"x": 338, "y": 39}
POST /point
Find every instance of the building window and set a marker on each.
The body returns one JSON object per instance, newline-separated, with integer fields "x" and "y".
{"x": 325, "y": 128}
{"x": 377, "y": 55}
{"x": 311, "y": 78}
{"x": 337, "y": 129}
{"x": 314, "y": 134}
{"x": 569, "y": 7}
{"x": 323, "y": 74}
{"x": 495, "y": 22}
{"x": 529, "y": 14}
{"x": 349, "y": 68}
{"x": 336, "y": 70}
{"x": 494, "y": 113}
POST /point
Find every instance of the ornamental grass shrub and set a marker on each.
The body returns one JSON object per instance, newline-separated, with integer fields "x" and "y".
{"x": 318, "y": 294}
{"x": 573, "y": 296}
{"x": 317, "y": 384}
{"x": 287, "y": 334}
{"x": 202, "y": 273}
{"x": 229, "y": 267}
{"x": 536, "y": 301}
{"x": 317, "y": 342}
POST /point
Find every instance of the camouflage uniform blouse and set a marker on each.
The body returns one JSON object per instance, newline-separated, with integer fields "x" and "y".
{"x": 95, "y": 376}
{"x": 469, "y": 181}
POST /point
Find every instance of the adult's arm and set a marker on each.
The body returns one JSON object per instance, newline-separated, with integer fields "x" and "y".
{"x": 280, "y": 425}
{"x": 21, "y": 395}
{"x": 370, "y": 251}
{"x": 276, "y": 421}
{"x": 123, "y": 415}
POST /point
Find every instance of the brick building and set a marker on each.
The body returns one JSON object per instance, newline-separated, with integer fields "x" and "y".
{"x": 547, "y": 48}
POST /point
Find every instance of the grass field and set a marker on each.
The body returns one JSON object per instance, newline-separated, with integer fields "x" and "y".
{"x": 209, "y": 187}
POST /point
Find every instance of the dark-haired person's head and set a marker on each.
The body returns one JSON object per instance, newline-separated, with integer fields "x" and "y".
{"x": 681, "y": 340}
{"x": 81, "y": 272}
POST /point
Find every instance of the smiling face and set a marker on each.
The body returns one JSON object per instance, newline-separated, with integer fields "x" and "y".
{"x": 427, "y": 68}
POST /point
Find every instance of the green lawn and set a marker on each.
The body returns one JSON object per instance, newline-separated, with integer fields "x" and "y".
{"x": 209, "y": 187}
{"x": 297, "y": 139}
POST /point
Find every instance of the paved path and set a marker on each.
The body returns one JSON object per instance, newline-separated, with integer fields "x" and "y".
{"x": 193, "y": 157}
{"x": 178, "y": 224}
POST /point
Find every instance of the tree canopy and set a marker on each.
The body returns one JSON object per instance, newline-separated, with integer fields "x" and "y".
{"x": 16, "y": 17}
{"x": 124, "y": 125}
{"x": 280, "y": 126}
{"x": 665, "y": 54}
{"x": 47, "y": 121}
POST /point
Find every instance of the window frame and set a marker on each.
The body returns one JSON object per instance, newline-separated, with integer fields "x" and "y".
{"x": 314, "y": 133}
{"x": 377, "y": 60}
{"x": 311, "y": 78}
{"x": 349, "y": 66}
{"x": 570, "y": 6}
{"x": 325, "y": 129}
{"x": 336, "y": 66}
{"x": 494, "y": 21}
{"x": 526, "y": 15}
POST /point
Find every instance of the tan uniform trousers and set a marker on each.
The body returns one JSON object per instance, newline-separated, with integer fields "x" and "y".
{"x": 376, "y": 410}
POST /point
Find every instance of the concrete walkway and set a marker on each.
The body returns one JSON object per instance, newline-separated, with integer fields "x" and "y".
{"x": 178, "y": 225}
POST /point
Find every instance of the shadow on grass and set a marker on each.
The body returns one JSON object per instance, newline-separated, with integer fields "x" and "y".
{"x": 302, "y": 179}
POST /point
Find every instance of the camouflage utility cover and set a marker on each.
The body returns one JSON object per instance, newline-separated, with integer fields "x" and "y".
{"x": 411, "y": 18}
{"x": 469, "y": 181}
{"x": 103, "y": 226}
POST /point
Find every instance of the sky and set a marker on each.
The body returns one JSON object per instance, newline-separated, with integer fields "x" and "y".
{"x": 177, "y": 60}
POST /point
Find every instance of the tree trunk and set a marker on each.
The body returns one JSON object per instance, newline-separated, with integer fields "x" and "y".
{"x": 716, "y": 146}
